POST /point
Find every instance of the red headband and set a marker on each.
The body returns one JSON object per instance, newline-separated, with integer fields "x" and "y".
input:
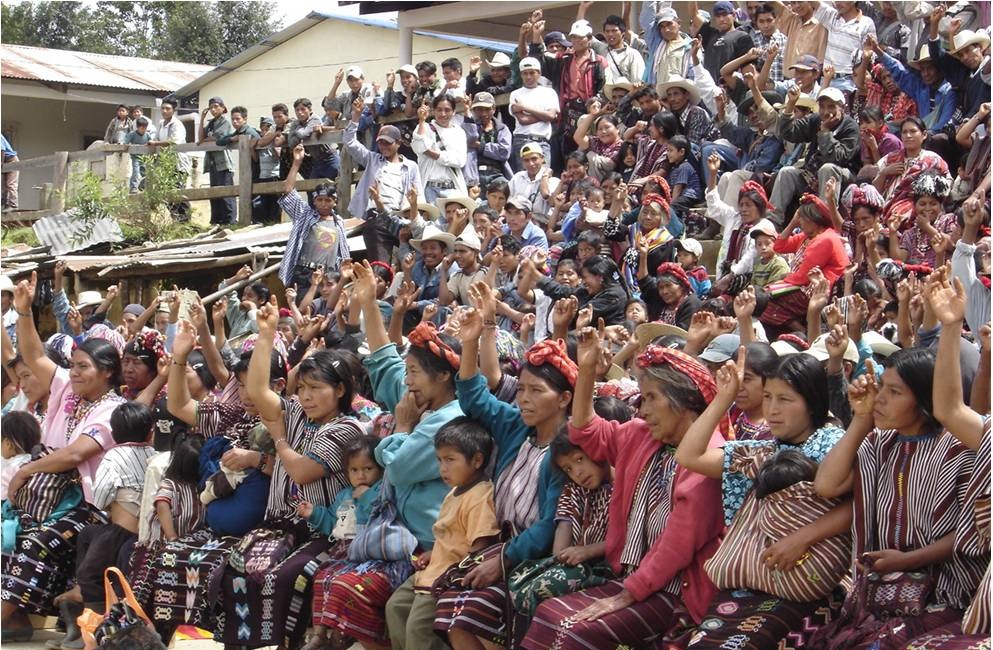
{"x": 555, "y": 354}
{"x": 385, "y": 266}
{"x": 664, "y": 188}
{"x": 821, "y": 206}
{"x": 425, "y": 336}
{"x": 676, "y": 271}
{"x": 795, "y": 341}
{"x": 656, "y": 355}
{"x": 648, "y": 199}
{"x": 755, "y": 186}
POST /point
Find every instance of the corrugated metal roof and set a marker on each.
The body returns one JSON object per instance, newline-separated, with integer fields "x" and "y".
{"x": 315, "y": 18}
{"x": 88, "y": 69}
{"x": 64, "y": 235}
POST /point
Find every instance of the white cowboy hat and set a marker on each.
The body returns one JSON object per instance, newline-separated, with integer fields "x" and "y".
{"x": 464, "y": 201}
{"x": 880, "y": 344}
{"x": 434, "y": 233}
{"x": 619, "y": 82}
{"x": 469, "y": 239}
{"x": 429, "y": 209}
{"x": 88, "y": 298}
{"x": 923, "y": 55}
{"x": 6, "y": 284}
{"x": 500, "y": 60}
{"x": 684, "y": 84}
{"x": 967, "y": 37}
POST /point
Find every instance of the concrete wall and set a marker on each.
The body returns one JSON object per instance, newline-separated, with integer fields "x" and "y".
{"x": 305, "y": 65}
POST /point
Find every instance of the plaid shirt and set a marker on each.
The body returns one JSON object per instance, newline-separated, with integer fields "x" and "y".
{"x": 763, "y": 42}
{"x": 697, "y": 125}
{"x": 304, "y": 217}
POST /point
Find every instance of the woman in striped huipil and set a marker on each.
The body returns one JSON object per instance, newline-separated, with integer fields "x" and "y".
{"x": 909, "y": 477}
{"x": 971, "y": 425}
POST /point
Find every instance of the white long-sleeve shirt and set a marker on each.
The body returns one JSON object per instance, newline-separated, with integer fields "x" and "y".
{"x": 977, "y": 309}
{"x": 453, "y": 156}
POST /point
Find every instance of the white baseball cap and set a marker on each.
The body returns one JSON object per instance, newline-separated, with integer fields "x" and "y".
{"x": 832, "y": 94}
{"x": 581, "y": 28}
{"x": 530, "y": 63}
{"x": 354, "y": 72}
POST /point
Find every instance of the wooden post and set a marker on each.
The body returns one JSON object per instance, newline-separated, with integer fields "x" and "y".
{"x": 344, "y": 183}
{"x": 60, "y": 178}
{"x": 244, "y": 181}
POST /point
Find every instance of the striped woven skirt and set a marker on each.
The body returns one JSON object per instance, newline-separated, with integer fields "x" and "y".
{"x": 784, "y": 308}
{"x": 354, "y": 603}
{"x": 652, "y": 623}
{"x": 178, "y": 582}
{"x": 43, "y": 562}
{"x": 478, "y": 611}
{"x": 749, "y": 620}
{"x": 271, "y": 608}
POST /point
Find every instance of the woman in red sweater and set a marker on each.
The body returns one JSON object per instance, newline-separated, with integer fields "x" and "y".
{"x": 663, "y": 522}
{"x": 817, "y": 244}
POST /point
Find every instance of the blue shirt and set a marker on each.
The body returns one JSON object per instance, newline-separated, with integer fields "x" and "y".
{"x": 532, "y": 236}
{"x": 409, "y": 456}
{"x": 8, "y": 151}
{"x": 428, "y": 279}
{"x": 910, "y": 82}
{"x": 324, "y": 518}
{"x": 685, "y": 174}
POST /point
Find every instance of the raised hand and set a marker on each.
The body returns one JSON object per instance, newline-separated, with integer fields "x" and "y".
{"x": 407, "y": 293}
{"x": 831, "y": 191}
{"x": 744, "y": 303}
{"x": 584, "y": 317}
{"x": 74, "y": 319}
{"x": 565, "y": 310}
{"x": 407, "y": 265}
{"x": 429, "y": 312}
{"x": 731, "y": 376}
{"x": 863, "y": 390}
{"x": 291, "y": 294}
{"x": 832, "y": 315}
{"x": 339, "y": 76}
{"x": 24, "y": 293}
{"x": 589, "y": 344}
{"x": 185, "y": 340}
{"x": 422, "y": 112}
{"x": 470, "y": 325}
{"x": 483, "y": 299}
{"x": 364, "y": 285}
{"x": 391, "y": 78}
{"x": 219, "y": 309}
{"x": 713, "y": 163}
{"x": 946, "y": 299}
{"x": 267, "y": 317}
{"x": 836, "y": 342}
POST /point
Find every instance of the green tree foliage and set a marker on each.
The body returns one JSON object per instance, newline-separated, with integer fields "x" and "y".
{"x": 194, "y": 32}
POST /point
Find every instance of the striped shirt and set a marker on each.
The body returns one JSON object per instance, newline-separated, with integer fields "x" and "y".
{"x": 972, "y": 538}
{"x": 586, "y": 512}
{"x": 184, "y": 503}
{"x": 121, "y": 467}
{"x": 323, "y": 444}
{"x": 844, "y": 37}
{"x": 908, "y": 494}
{"x": 650, "y": 511}
{"x": 517, "y": 487}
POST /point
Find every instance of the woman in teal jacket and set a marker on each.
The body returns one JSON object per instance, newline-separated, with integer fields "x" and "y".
{"x": 527, "y": 489}
{"x": 419, "y": 390}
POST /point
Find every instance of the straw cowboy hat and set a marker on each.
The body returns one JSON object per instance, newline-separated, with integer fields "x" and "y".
{"x": 88, "y": 299}
{"x": 648, "y": 332}
{"x": 684, "y": 84}
{"x": 434, "y": 233}
{"x": 429, "y": 209}
{"x": 967, "y": 37}
{"x": 620, "y": 82}
{"x": 464, "y": 201}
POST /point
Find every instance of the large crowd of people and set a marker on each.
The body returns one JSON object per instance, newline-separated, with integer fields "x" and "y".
{"x": 417, "y": 446}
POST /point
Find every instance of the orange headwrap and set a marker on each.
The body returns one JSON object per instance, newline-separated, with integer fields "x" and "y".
{"x": 555, "y": 354}
{"x": 425, "y": 336}
{"x": 656, "y": 355}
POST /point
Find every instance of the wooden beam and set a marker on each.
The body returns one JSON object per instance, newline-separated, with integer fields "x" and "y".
{"x": 60, "y": 177}
{"x": 140, "y": 270}
{"x": 224, "y": 191}
{"x": 244, "y": 181}
{"x": 238, "y": 285}
{"x": 344, "y": 190}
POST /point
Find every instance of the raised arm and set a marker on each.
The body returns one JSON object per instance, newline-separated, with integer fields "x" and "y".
{"x": 836, "y": 473}
{"x": 291, "y": 178}
{"x": 484, "y": 301}
{"x": 364, "y": 291}
{"x": 265, "y": 399}
{"x": 28, "y": 341}
{"x": 178, "y": 400}
{"x": 948, "y": 302}
{"x": 588, "y": 355}
{"x": 694, "y": 452}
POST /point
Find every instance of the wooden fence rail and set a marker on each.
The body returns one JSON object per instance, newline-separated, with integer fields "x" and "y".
{"x": 243, "y": 190}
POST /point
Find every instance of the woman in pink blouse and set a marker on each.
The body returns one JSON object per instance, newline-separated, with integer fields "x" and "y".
{"x": 77, "y": 429}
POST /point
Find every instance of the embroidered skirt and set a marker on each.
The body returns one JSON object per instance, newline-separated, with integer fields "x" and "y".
{"x": 655, "y": 622}
{"x": 43, "y": 562}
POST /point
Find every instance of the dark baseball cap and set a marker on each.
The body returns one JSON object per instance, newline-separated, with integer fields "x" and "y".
{"x": 389, "y": 133}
